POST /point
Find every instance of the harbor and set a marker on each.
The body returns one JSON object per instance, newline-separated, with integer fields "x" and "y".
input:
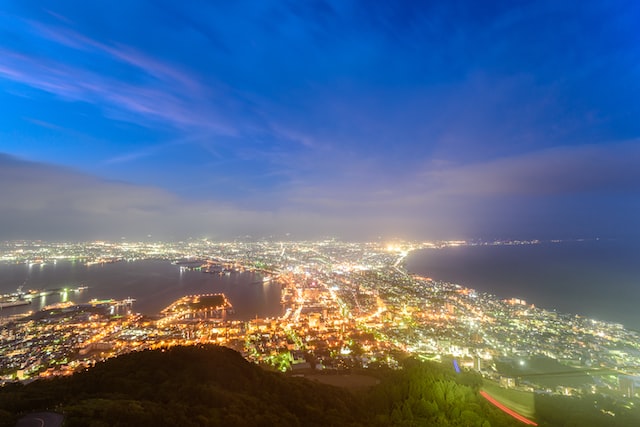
{"x": 21, "y": 298}
{"x": 153, "y": 283}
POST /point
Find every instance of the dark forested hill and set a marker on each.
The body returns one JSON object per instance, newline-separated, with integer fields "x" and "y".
{"x": 211, "y": 386}
{"x": 184, "y": 386}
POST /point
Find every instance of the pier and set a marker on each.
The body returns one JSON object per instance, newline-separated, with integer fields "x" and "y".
{"x": 197, "y": 308}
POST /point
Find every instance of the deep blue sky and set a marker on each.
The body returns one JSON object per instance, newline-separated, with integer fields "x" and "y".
{"x": 358, "y": 119}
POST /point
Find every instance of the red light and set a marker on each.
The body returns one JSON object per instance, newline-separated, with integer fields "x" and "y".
{"x": 507, "y": 410}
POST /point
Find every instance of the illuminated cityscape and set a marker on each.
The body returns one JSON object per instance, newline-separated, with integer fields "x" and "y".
{"x": 344, "y": 305}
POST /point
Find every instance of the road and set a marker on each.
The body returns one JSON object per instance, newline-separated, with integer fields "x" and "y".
{"x": 41, "y": 419}
{"x": 506, "y": 410}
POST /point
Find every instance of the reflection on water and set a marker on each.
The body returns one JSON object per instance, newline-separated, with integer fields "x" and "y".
{"x": 153, "y": 283}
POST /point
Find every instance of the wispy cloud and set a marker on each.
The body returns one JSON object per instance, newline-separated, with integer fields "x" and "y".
{"x": 163, "y": 94}
{"x": 132, "y": 156}
{"x": 530, "y": 194}
{"x": 45, "y": 124}
{"x": 47, "y": 201}
{"x": 545, "y": 191}
{"x": 117, "y": 51}
{"x": 554, "y": 171}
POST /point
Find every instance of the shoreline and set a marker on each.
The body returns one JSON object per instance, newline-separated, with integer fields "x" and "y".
{"x": 154, "y": 283}
{"x": 566, "y": 278}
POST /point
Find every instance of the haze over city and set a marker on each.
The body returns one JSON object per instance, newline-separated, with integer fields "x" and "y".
{"x": 344, "y": 118}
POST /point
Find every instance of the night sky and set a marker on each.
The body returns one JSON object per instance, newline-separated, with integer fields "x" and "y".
{"x": 354, "y": 119}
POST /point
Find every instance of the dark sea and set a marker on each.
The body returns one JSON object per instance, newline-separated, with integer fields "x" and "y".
{"x": 153, "y": 283}
{"x": 599, "y": 279}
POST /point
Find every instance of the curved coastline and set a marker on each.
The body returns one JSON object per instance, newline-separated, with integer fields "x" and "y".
{"x": 594, "y": 279}
{"x": 155, "y": 284}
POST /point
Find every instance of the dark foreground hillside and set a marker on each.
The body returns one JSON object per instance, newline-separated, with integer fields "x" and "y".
{"x": 184, "y": 386}
{"x": 210, "y": 386}
{"x": 214, "y": 386}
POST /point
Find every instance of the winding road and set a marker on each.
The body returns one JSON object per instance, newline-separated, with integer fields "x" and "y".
{"x": 41, "y": 419}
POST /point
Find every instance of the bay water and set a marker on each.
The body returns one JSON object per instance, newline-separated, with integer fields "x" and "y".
{"x": 598, "y": 278}
{"x": 153, "y": 283}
